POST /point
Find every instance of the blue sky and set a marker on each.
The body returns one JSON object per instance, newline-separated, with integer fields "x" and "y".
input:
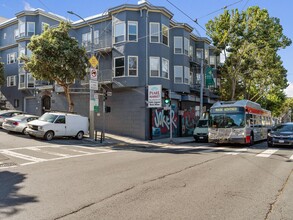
{"x": 200, "y": 9}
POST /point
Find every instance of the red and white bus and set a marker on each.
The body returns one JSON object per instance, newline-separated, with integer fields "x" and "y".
{"x": 240, "y": 121}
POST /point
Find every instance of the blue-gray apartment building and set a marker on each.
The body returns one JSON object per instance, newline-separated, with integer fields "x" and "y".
{"x": 137, "y": 45}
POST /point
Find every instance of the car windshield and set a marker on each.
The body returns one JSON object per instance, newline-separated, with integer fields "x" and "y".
{"x": 202, "y": 124}
{"x": 48, "y": 117}
{"x": 228, "y": 120}
{"x": 283, "y": 127}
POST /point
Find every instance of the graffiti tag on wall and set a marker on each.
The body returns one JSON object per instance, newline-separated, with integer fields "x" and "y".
{"x": 161, "y": 123}
{"x": 188, "y": 121}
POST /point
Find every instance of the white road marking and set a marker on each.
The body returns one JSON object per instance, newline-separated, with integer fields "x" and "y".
{"x": 267, "y": 153}
{"x": 22, "y": 156}
{"x": 291, "y": 158}
{"x": 237, "y": 151}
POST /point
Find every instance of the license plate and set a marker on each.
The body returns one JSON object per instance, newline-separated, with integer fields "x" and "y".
{"x": 281, "y": 141}
{"x": 200, "y": 137}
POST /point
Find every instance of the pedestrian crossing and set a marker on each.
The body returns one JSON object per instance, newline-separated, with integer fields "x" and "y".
{"x": 24, "y": 156}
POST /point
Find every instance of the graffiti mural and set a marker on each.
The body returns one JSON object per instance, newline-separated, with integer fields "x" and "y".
{"x": 188, "y": 121}
{"x": 161, "y": 123}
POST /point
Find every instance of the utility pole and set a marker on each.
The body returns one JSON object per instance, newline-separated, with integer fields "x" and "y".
{"x": 201, "y": 88}
{"x": 91, "y": 98}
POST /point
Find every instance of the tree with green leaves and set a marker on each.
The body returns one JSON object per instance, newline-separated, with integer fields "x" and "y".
{"x": 252, "y": 70}
{"x": 2, "y": 79}
{"x": 57, "y": 57}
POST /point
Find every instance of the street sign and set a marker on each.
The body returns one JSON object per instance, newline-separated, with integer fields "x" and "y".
{"x": 94, "y": 74}
{"x": 155, "y": 96}
{"x": 93, "y": 61}
{"x": 94, "y": 85}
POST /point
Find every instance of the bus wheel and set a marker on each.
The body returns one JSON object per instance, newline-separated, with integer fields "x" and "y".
{"x": 251, "y": 139}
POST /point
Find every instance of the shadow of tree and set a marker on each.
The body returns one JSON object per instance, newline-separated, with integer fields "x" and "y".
{"x": 10, "y": 199}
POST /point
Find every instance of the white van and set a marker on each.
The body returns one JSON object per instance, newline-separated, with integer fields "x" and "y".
{"x": 58, "y": 124}
{"x": 201, "y": 131}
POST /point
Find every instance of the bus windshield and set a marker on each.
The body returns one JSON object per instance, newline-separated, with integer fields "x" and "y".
{"x": 227, "y": 120}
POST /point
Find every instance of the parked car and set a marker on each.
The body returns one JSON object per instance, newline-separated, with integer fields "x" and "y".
{"x": 201, "y": 130}
{"x": 59, "y": 124}
{"x": 4, "y": 114}
{"x": 281, "y": 134}
{"x": 18, "y": 123}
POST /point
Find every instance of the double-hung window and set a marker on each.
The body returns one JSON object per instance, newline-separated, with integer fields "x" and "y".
{"x": 11, "y": 81}
{"x": 21, "y": 27}
{"x": 96, "y": 37}
{"x": 178, "y": 74}
{"x": 186, "y": 46}
{"x": 165, "y": 33}
{"x": 132, "y": 65}
{"x": 165, "y": 68}
{"x": 21, "y": 78}
{"x": 16, "y": 33}
{"x": 186, "y": 75}
{"x": 178, "y": 45}
{"x": 21, "y": 52}
{"x": 11, "y": 58}
{"x": 132, "y": 31}
{"x": 30, "y": 81}
{"x": 155, "y": 66}
{"x": 199, "y": 53}
{"x": 86, "y": 39}
{"x": 119, "y": 32}
{"x": 119, "y": 66}
{"x": 154, "y": 32}
{"x": 30, "y": 28}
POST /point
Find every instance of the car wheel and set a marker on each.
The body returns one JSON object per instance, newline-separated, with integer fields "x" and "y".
{"x": 24, "y": 131}
{"x": 49, "y": 135}
{"x": 79, "y": 135}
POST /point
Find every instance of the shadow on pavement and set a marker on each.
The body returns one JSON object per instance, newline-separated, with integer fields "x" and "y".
{"x": 10, "y": 199}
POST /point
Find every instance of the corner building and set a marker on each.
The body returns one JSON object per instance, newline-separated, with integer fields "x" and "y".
{"x": 136, "y": 46}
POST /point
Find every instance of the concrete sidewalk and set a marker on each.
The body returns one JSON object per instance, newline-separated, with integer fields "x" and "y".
{"x": 115, "y": 139}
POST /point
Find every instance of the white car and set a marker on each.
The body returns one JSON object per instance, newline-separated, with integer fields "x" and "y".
{"x": 8, "y": 114}
{"x": 59, "y": 124}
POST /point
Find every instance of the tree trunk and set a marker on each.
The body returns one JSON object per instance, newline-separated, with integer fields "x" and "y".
{"x": 68, "y": 97}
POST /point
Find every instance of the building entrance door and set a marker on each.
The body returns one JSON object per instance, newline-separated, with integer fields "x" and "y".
{"x": 46, "y": 103}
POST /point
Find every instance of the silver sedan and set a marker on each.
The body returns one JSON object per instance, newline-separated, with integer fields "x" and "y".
{"x": 8, "y": 114}
{"x": 18, "y": 123}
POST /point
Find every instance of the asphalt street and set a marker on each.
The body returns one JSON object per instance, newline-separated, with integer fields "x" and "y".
{"x": 70, "y": 179}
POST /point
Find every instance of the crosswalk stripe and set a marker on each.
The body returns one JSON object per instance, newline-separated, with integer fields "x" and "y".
{"x": 291, "y": 158}
{"x": 22, "y": 156}
{"x": 237, "y": 151}
{"x": 267, "y": 153}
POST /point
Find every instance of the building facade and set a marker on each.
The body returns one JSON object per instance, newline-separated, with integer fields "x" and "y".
{"x": 136, "y": 46}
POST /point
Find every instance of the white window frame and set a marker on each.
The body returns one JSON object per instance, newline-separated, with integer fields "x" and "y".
{"x": 178, "y": 73}
{"x": 191, "y": 52}
{"x": 21, "y": 27}
{"x": 21, "y": 51}
{"x": 186, "y": 46}
{"x": 186, "y": 75}
{"x": 136, "y": 69}
{"x": 28, "y": 76}
{"x": 116, "y": 58}
{"x": 11, "y": 58}
{"x": 165, "y": 73}
{"x": 181, "y": 44}
{"x": 115, "y": 32}
{"x": 86, "y": 39}
{"x": 4, "y": 35}
{"x": 157, "y": 59}
{"x": 163, "y": 34}
{"x": 96, "y": 37}
{"x": 21, "y": 75}
{"x": 154, "y": 34}
{"x": 16, "y": 33}
{"x": 134, "y": 23}
{"x": 11, "y": 81}
{"x": 213, "y": 60}
{"x": 28, "y": 28}
{"x": 199, "y": 53}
